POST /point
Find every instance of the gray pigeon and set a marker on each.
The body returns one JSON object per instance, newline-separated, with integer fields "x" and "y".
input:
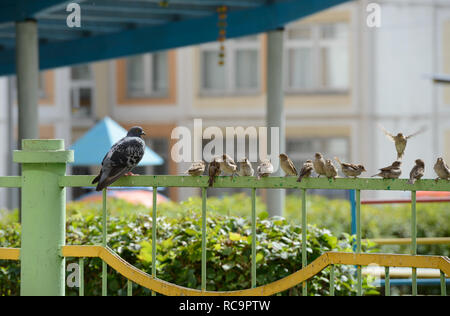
{"x": 121, "y": 158}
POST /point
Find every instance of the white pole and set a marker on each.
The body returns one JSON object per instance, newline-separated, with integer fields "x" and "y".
{"x": 275, "y": 111}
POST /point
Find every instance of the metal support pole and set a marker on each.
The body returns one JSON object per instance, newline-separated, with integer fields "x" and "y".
{"x": 27, "y": 65}
{"x": 275, "y": 112}
{"x": 43, "y": 216}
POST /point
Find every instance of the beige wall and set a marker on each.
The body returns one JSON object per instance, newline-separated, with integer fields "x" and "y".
{"x": 446, "y": 59}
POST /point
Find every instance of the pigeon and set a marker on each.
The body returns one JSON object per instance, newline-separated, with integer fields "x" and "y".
{"x": 349, "y": 169}
{"x": 319, "y": 165}
{"x": 245, "y": 168}
{"x": 442, "y": 170}
{"x": 213, "y": 171}
{"x": 287, "y": 165}
{"x": 330, "y": 169}
{"x": 121, "y": 158}
{"x": 264, "y": 169}
{"x": 400, "y": 140}
{"x": 390, "y": 172}
{"x": 306, "y": 170}
{"x": 417, "y": 171}
{"x": 227, "y": 165}
{"x": 196, "y": 169}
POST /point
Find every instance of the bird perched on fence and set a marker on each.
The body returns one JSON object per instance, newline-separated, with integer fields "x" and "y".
{"x": 213, "y": 171}
{"x": 121, "y": 158}
{"x": 264, "y": 169}
{"x": 287, "y": 165}
{"x": 400, "y": 140}
{"x": 390, "y": 172}
{"x": 319, "y": 165}
{"x": 196, "y": 169}
{"x": 349, "y": 169}
{"x": 330, "y": 169}
{"x": 245, "y": 168}
{"x": 442, "y": 170}
{"x": 306, "y": 170}
{"x": 227, "y": 165}
{"x": 417, "y": 171}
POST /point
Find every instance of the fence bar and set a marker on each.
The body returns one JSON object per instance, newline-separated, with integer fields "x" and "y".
{"x": 443, "y": 285}
{"x": 81, "y": 277}
{"x": 129, "y": 288}
{"x": 154, "y": 228}
{"x": 387, "y": 285}
{"x": 304, "y": 229}
{"x": 358, "y": 239}
{"x": 253, "y": 237}
{"x": 203, "y": 238}
{"x": 413, "y": 240}
{"x": 332, "y": 280}
{"x": 104, "y": 243}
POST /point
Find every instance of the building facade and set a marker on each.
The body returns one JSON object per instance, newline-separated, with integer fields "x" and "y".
{"x": 342, "y": 79}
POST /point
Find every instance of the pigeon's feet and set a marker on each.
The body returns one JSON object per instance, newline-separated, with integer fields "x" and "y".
{"x": 129, "y": 173}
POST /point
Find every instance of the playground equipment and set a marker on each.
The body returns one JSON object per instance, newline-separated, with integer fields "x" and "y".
{"x": 43, "y": 250}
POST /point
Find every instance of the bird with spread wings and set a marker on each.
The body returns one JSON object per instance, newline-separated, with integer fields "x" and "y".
{"x": 400, "y": 140}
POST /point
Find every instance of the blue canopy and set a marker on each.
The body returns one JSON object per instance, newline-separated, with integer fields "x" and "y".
{"x": 116, "y": 28}
{"x": 93, "y": 146}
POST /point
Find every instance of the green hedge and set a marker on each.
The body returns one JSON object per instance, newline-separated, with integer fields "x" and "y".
{"x": 179, "y": 249}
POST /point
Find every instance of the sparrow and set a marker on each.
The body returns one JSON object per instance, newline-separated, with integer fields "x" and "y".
{"x": 213, "y": 171}
{"x": 442, "y": 170}
{"x": 287, "y": 165}
{"x": 264, "y": 169}
{"x": 245, "y": 168}
{"x": 349, "y": 169}
{"x": 417, "y": 171}
{"x": 306, "y": 170}
{"x": 319, "y": 165}
{"x": 196, "y": 169}
{"x": 227, "y": 165}
{"x": 400, "y": 140}
{"x": 330, "y": 169}
{"x": 121, "y": 158}
{"x": 390, "y": 172}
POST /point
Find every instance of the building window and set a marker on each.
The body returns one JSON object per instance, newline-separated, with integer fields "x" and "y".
{"x": 240, "y": 73}
{"x": 147, "y": 75}
{"x": 82, "y": 91}
{"x": 317, "y": 58}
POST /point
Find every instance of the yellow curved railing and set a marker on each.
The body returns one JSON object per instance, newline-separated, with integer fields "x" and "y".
{"x": 329, "y": 258}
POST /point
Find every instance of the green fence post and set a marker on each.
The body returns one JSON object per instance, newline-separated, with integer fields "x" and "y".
{"x": 43, "y": 216}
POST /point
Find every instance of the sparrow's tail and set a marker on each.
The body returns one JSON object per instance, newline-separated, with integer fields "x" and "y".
{"x": 300, "y": 178}
{"x": 412, "y": 180}
{"x": 211, "y": 181}
{"x": 399, "y": 156}
{"x": 375, "y": 175}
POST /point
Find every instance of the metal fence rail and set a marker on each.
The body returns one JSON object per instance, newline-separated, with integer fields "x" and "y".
{"x": 43, "y": 180}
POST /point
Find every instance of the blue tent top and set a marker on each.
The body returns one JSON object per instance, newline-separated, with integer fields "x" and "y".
{"x": 92, "y": 147}
{"x": 116, "y": 28}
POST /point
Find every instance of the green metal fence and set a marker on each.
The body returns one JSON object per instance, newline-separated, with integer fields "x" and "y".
{"x": 43, "y": 183}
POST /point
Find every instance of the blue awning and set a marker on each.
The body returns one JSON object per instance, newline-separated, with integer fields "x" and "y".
{"x": 117, "y": 28}
{"x": 93, "y": 146}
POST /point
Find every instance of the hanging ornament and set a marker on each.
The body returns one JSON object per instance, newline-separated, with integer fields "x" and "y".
{"x": 222, "y": 25}
{"x": 164, "y": 3}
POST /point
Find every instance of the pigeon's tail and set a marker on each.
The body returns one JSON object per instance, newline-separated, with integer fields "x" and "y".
{"x": 97, "y": 178}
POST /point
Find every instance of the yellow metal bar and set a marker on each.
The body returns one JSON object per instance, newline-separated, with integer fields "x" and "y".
{"x": 407, "y": 241}
{"x": 9, "y": 253}
{"x": 166, "y": 288}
